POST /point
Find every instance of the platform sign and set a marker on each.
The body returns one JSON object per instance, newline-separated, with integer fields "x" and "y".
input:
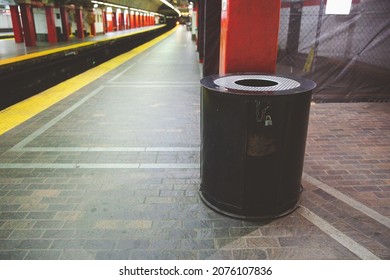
{"x": 338, "y": 7}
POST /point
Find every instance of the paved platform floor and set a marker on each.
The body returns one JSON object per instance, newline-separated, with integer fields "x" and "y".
{"x": 112, "y": 172}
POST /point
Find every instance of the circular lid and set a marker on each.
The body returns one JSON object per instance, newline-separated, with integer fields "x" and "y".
{"x": 252, "y": 83}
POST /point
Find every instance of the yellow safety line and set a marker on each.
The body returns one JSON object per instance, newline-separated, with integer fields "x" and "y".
{"x": 70, "y": 47}
{"x": 26, "y": 109}
{"x": 43, "y": 53}
{"x": 133, "y": 33}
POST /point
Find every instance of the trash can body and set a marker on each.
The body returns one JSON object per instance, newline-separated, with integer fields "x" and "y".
{"x": 253, "y": 132}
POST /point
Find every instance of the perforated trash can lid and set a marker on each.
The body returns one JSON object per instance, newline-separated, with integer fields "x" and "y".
{"x": 253, "y": 83}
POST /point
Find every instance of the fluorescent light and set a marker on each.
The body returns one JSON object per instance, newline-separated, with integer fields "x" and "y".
{"x": 109, "y": 5}
{"x": 138, "y": 10}
{"x": 338, "y": 7}
{"x": 170, "y": 6}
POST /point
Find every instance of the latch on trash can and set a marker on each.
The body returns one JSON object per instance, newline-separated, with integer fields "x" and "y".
{"x": 268, "y": 121}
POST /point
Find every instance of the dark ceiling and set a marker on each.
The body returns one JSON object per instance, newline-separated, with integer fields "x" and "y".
{"x": 156, "y": 6}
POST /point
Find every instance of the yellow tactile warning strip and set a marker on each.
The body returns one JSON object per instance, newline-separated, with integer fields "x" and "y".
{"x": 22, "y": 111}
{"x": 66, "y": 48}
{"x": 43, "y": 53}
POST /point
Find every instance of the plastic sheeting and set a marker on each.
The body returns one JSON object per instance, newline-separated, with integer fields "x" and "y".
{"x": 348, "y": 56}
{"x": 211, "y": 37}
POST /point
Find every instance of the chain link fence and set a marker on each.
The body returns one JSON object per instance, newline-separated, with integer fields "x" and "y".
{"x": 348, "y": 56}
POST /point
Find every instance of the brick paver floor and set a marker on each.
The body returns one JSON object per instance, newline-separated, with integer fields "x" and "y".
{"x": 112, "y": 172}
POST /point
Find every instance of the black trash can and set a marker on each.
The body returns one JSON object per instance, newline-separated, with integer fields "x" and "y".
{"x": 253, "y": 133}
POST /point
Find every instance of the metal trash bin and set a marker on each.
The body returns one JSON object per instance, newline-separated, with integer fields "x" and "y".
{"x": 253, "y": 138}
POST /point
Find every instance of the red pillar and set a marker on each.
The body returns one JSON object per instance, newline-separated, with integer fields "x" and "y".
{"x": 136, "y": 19}
{"x": 122, "y": 21}
{"x": 16, "y": 25}
{"x": 51, "y": 25}
{"x": 132, "y": 20}
{"x": 119, "y": 15}
{"x": 91, "y": 22}
{"x": 249, "y": 36}
{"x": 93, "y": 29}
{"x": 64, "y": 23}
{"x": 127, "y": 21}
{"x": 114, "y": 22}
{"x": 79, "y": 22}
{"x": 28, "y": 25}
{"x": 109, "y": 19}
{"x": 104, "y": 18}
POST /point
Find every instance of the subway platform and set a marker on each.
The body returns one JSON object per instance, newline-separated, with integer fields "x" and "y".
{"x": 11, "y": 52}
{"x": 108, "y": 168}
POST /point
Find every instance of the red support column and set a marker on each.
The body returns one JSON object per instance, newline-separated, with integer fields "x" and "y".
{"x": 119, "y": 15}
{"x": 136, "y": 19}
{"x": 109, "y": 18}
{"x": 51, "y": 25}
{"x": 91, "y": 21}
{"x": 114, "y": 22}
{"x": 64, "y": 23}
{"x": 122, "y": 21}
{"x": 104, "y": 19}
{"x": 16, "y": 25}
{"x": 79, "y": 22}
{"x": 28, "y": 25}
{"x": 127, "y": 20}
{"x": 249, "y": 36}
{"x": 93, "y": 30}
{"x": 132, "y": 20}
